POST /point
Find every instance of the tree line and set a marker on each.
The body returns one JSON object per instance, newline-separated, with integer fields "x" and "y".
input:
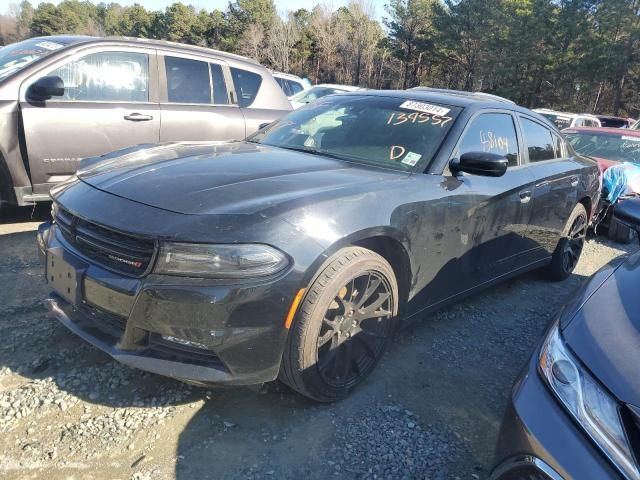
{"x": 575, "y": 55}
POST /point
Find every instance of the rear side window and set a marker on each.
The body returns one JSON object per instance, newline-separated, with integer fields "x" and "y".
{"x": 246, "y": 84}
{"x": 106, "y": 77}
{"x": 284, "y": 85}
{"x": 220, "y": 95}
{"x": 539, "y": 141}
{"x": 494, "y": 133}
{"x": 295, "y": 87}
{"x": 187, "y": 80}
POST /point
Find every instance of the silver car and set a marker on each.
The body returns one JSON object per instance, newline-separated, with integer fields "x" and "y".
{"x": 65, "y": 98}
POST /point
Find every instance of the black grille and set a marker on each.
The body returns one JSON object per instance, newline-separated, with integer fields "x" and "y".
{"x": 173, "y": 351}
{"x": 116, "y": 251}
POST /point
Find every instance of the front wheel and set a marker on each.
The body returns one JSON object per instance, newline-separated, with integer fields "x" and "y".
{"x": 342, "y": 327}
{"x": 569, "y": 248}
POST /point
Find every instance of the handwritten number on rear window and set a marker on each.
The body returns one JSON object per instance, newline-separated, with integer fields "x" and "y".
{"x": 398, "y": 118}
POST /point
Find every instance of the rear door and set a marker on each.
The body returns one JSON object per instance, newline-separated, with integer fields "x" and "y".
{"x": 556, "y": 179}
{"x": 110, "y": 102}
{"x": 195, "y": 102}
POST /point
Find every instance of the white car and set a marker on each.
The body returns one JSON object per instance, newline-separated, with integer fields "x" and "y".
{"x": 564, "y": 120}
{"x": 291, "y": 84}
{"x": 319, "y": 91}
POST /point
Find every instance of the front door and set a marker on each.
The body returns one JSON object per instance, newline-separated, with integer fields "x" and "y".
{"x": 195, "y": 102}
{"x": 106, "y": 106}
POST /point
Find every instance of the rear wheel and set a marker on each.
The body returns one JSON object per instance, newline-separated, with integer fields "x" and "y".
{"x": 343, "y": 325}
{"x": 569, "y": 248}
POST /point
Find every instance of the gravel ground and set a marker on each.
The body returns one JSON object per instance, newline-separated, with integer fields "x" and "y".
{"x": 431, "y": 410}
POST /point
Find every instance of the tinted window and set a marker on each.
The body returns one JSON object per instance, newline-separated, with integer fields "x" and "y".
{"x": 246, "y": 84}
{"x": 388, "y": 132}
{"x": 187, "y": 80}
{"x": 492, "y": 132}
{"x": 220, "y": 96}
{"x": 295, "y": 87}
{"x": 539, "y": 141}
{"x": 106, "y": 77}
{"x": 284, "y": 85}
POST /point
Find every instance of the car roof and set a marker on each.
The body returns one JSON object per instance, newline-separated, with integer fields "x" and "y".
{"x": 453, "y": 98}
{"x": 290, "y": 76}
{"x": 610, "y": 130}
{"x": 74, "y": 40}
{"x": 346, "y": 88}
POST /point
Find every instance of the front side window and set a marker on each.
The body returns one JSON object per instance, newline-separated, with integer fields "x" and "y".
{"x": 106, "y": 77}
{"x": 539, "y": 141}
{"x": 247, "y": 85}
{"x": 494, "y": 133}
{"x": 387, "y": 132}
{"x": 187, "y": 80}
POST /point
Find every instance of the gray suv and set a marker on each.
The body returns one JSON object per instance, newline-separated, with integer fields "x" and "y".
{"x": 65, "y": 98}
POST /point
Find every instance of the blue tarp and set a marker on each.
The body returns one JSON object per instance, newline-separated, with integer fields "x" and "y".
{"x": 619, "y": 180}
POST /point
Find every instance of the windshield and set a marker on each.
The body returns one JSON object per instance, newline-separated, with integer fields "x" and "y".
{"x": 381, "y": 131}
{"x": 621, "y": 148}
{"x": 560, "y": 121}
{"x": 314, "y": 94}
{"x": 16, "y": 56}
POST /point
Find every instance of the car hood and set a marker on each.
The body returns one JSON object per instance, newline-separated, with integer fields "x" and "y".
{"x": 225, "y": 178}
{"x": 604, "y": 333}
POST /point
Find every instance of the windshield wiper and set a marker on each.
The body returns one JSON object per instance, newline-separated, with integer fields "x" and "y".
{"x": 315, "y": 151}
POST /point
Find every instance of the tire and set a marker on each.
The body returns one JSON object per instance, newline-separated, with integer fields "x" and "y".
{"x": 618, "y": 232}
{"x": 343, "y": 325}
{"x": 567, "y": 252}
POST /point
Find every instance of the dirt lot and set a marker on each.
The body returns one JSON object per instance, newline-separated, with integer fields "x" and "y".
{"x": 431, "y": 410}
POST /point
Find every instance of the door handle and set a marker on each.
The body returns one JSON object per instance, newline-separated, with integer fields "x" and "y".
{"x": 525, "y": 196}
{"x": 138, "y": 117}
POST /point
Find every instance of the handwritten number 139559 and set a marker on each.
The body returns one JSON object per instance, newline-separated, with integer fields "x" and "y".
{"x": 398, "y": 118}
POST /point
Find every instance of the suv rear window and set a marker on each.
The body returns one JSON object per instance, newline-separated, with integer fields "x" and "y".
{"x": 247, "y": 85}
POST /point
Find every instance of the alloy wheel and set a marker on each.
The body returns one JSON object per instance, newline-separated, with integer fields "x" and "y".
{"x": 354, "y": 329}
{"x": 575, "y": 243}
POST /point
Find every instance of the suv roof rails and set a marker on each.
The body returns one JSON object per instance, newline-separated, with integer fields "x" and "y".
{"x": 463, "y": 93}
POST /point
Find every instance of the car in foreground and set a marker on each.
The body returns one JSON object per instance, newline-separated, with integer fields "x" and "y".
{"x": 567, "y": 120}
{"x": 319, "y": 91}
{"x": 65, "y": 98}
{"x": 575, "y": 409}
{"x": 615, "y": 122}
{"x": 293, "y": 255}
{"x": 610, "y": 147}
{"x": 291, "y": 84}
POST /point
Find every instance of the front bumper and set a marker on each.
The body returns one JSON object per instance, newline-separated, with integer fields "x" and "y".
{"x": 195, "y": 330}
{"x": 539, "y": 441}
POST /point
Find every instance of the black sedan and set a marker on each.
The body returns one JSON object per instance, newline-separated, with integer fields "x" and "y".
{"x": 575, "y": 409}
{"x": 294, "y": 254}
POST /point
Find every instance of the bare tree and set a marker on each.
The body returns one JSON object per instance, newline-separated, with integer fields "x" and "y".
{"x": 252, "y": 42}
{"x": 282, "y": 37}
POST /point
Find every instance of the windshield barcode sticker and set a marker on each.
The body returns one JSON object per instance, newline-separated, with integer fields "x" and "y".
{"x": 425, "y": 107}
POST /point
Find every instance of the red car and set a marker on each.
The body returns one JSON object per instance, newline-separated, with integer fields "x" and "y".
{"x": 609, "y": 146}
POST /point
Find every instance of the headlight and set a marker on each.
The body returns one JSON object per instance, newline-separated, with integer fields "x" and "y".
{"x": 590, "y": 405}
{"x": 219, "y": 261}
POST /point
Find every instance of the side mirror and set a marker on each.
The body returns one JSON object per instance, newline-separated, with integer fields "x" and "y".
{"x": 628, "y": 213}
{"x": 480, "y": 163}
{"x": 46, "y": 87}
